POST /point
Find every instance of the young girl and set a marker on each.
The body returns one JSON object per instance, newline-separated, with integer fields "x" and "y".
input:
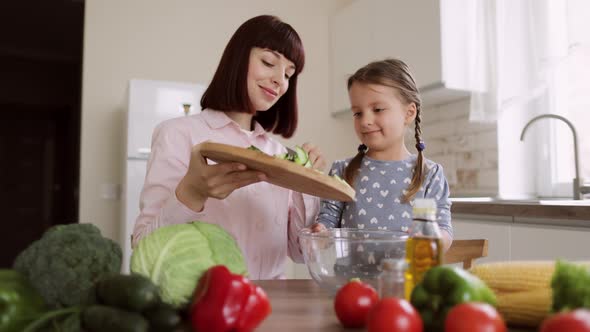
{"x": 253, "y": 92}
{"x": 386, "y": 176}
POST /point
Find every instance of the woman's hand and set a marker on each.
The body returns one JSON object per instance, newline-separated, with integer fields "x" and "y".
{"x": 315, "y": 156}
{"x": 218, "y": 181}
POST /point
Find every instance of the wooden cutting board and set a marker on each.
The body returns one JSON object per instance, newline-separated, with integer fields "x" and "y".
{"x": 281, "y": 172}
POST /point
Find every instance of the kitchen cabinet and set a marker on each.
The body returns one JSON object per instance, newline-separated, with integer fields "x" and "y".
{"x": 495, "y": 229}
{"x": 520, "y": 238}
{"x": 533, "y": 240}
{"x": 428, "y": 35}
{"x": 296, "y": 271}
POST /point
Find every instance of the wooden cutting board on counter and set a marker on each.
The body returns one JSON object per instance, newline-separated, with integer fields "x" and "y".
{"x": 281, "y": 172}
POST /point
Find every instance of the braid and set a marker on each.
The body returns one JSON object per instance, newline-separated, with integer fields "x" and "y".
{"x": 354, "y": 165}
{"x": 418, "y": 176}
{"x": 418, "y": 129}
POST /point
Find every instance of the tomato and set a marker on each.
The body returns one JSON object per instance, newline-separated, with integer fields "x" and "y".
{"x": 573, "y": 321}
{"x": 474, "y": 317}
{"x": 393, "y": 314}
{"x": 352, "y": 303}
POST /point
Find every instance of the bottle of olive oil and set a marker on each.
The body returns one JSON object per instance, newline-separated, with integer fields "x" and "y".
{"x": 424, "y": 245}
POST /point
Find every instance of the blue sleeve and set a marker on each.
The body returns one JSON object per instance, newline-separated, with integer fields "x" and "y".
{"x": 331, "y": 211}
{"x": 437, "y": 187}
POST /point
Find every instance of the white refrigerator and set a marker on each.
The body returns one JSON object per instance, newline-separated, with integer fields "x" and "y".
{"x": 149, "y": 103}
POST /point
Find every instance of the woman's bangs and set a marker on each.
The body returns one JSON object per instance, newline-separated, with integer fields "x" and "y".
{"x": 285, "y": 41}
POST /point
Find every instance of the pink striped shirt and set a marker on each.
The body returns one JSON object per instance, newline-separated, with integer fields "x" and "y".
{"x": 263, "y": 218}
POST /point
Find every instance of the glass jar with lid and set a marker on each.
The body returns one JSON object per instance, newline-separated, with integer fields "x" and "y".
{"x": 391, "y": 280}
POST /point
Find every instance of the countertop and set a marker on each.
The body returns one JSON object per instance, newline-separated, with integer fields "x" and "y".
{"x": 544, "y": 209}
{"x": 300, "y": 305}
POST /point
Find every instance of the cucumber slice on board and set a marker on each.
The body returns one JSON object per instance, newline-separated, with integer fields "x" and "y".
{"x": 301, "y": 157}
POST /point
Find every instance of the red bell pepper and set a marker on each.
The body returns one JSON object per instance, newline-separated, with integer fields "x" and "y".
{"x": 227, "y": 302}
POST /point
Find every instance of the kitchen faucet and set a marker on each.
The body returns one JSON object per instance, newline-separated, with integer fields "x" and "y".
{"x": 579, "y": 187}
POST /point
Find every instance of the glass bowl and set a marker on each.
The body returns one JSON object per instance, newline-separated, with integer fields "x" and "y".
{"x": 336, "y": 255}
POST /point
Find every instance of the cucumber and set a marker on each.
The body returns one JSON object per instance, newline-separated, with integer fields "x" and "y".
{"x": 284, "y": 156}
{"x": 301, "y": 156}
{"x": 163, "y": 318}
{"x": 184, "y": 327}
{"x": 133, "y": 292}
{"x": 254, "y": 148}
{"x": 99, "y": 318}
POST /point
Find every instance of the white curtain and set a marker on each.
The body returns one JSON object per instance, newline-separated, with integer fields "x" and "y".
{"x": 524, "y": 50}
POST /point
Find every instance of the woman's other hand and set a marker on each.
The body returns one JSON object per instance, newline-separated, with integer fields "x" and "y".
{"x": 218, "y": 181}
{"x": 315, "y": 156}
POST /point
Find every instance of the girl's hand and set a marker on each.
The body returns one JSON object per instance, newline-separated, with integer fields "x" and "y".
{"x": 315, "y": 156}
{"x": 321, "y": 243}
{"x": 218, "y": 181}
{"x": 317, "y": 227}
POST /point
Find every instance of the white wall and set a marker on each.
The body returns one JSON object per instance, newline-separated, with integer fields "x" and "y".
{"x": 182, "y": 40}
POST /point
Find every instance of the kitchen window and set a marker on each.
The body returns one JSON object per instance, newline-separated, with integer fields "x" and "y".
{"x": 532, "y": 57}
{"x": 570, "y": 97}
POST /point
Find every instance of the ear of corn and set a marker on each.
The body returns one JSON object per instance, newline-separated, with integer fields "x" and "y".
{"x": 515, "y": 276}
{"x": 525, "y": 308}
{"x": 522, "y": 288}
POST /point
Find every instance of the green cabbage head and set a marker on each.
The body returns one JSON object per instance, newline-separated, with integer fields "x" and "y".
{"x": 174, "y": 258}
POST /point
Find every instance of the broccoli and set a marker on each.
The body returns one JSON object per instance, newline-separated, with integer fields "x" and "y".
{"x": 571, "y": 286}
{"x": 66, "y": 262}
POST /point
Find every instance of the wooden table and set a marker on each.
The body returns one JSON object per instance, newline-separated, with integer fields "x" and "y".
{"x": 300, "y": 305}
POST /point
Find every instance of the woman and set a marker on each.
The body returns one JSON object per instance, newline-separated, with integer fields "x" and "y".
{"x": 253, "y": 92}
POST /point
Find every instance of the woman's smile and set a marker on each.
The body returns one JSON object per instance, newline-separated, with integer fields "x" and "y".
{"x": 269, "y": 93}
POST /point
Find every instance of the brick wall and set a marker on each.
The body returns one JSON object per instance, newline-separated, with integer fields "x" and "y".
{"x": 467, "y": 151}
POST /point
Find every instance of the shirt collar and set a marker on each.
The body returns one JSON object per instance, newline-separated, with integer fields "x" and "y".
{"x": 218, "y": 119}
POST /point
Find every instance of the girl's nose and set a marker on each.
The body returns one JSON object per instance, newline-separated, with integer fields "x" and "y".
{"x": 367, "y": 119}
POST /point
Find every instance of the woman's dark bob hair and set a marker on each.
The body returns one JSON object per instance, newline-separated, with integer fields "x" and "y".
{"x": 228, "y": 90}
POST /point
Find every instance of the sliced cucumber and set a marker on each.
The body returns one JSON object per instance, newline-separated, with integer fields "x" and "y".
{"x": 252, "y": 147}
{"x": 284, "y": 156}
{"x": 301, "y": 157}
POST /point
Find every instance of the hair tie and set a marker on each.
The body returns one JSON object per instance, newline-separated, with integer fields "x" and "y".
{"x": 362, "y": 148}
{"x": 421, "y": 146}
